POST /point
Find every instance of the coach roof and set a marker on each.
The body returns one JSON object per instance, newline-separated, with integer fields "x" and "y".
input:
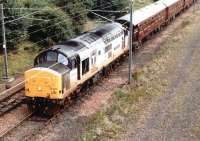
{"x": 144, "y": 13}
{"x": 168, "y": 2}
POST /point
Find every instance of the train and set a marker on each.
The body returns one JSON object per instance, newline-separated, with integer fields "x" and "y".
{"x": 65, "y": 69}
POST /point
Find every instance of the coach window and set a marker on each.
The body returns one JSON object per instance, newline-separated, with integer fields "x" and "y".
{"x": 62, "y": 59}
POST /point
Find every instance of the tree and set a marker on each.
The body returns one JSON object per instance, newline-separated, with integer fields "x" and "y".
{"x": 70, "y": 14}
{"x": 57, "y": 27}
{"x": 89, "y": 4}
{"x": 112, "y": 5}
{"x": 17, "y": 30}
{"x": 76, "y": 10}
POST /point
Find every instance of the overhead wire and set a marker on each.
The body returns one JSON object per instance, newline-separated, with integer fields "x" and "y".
{"x": 35, "y": 74}
{"x": 41, "y": 10}
{"x": 50, "y": 36}
{"x": 49, "y": 27}
{"x": 30, "y": 33}
{"x": 21, "y": 17}
{"x": 47, "y": 8}
{"x": 29, "y": 78}
{"x": 58, "y": 8}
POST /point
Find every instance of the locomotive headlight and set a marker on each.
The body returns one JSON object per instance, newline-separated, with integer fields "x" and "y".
{"x": 39, "y": 88}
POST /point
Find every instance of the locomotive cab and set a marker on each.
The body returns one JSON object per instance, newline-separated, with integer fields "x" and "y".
{"x": 50, "y": 76}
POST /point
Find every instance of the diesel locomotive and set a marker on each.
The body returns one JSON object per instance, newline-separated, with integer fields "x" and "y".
{"x": 64, "y": 68}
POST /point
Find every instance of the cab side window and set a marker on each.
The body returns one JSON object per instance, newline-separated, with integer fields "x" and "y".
{"x": 62, "y": 59}
{"x": 73, "y": 64}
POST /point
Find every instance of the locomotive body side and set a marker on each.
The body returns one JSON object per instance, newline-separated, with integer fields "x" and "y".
{"x": 98, "y": 54}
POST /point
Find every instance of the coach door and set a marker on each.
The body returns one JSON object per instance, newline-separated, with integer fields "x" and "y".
{"x": 123, "y": 42}
{"x": 167, "y": 15}
{"x": 135, "y": 33}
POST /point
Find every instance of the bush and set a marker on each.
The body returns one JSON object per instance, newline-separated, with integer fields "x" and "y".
{"x": 77, "y": 12}
{"x": 112, "y": 5}
{"x": 57, "y": 27}
{"x": 19, "y": 30}
{"x": 16, "y": 28}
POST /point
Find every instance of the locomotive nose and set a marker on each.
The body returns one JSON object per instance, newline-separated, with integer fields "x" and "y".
{"x": 44, "y": 83}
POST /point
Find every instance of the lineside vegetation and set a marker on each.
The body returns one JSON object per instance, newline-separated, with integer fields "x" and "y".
{"x": 49, "y": 22}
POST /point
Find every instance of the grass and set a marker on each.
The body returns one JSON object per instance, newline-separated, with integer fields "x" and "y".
{"x": 20, "y": 60}
{"x": 112, "y": 119}
{"x": 123, "y": 107}
{"x": 151, "y": 81}
{"x": 196, "y": 129}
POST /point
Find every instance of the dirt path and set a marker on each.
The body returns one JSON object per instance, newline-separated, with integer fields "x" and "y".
{"x": 175, "y": 116}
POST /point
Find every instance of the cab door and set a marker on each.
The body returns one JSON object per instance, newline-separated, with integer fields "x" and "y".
{"x": 94, "y": 59}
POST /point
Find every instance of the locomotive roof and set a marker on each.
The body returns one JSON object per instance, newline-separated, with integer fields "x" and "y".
{"x": 106, "y": 29}
{"x": 144, "y": 13}
{"x": 71, "y": 47}
{"x": 99, "y": 32}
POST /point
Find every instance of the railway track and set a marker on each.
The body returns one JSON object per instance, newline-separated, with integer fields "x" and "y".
{"x": 11, "y": 101}
{"x": 5, "y": 132}
{"x": 36, "y": 123}
{"x": 31, "y": 122}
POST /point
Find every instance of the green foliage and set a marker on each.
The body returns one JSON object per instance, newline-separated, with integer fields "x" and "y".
{"x": 36, "y": 3}
{"x": 119, "y": 93}
{"x": 89, "y": 4}
{"x": 13, "y": 29}
{"x": 76, "y": 10}
{"x": 56, "y": 26}
{"x": 63, "y": 22}
{"x": 16, "y": 30}
{"x": 112, "y": 5}
{"x": 59, "y": 21}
